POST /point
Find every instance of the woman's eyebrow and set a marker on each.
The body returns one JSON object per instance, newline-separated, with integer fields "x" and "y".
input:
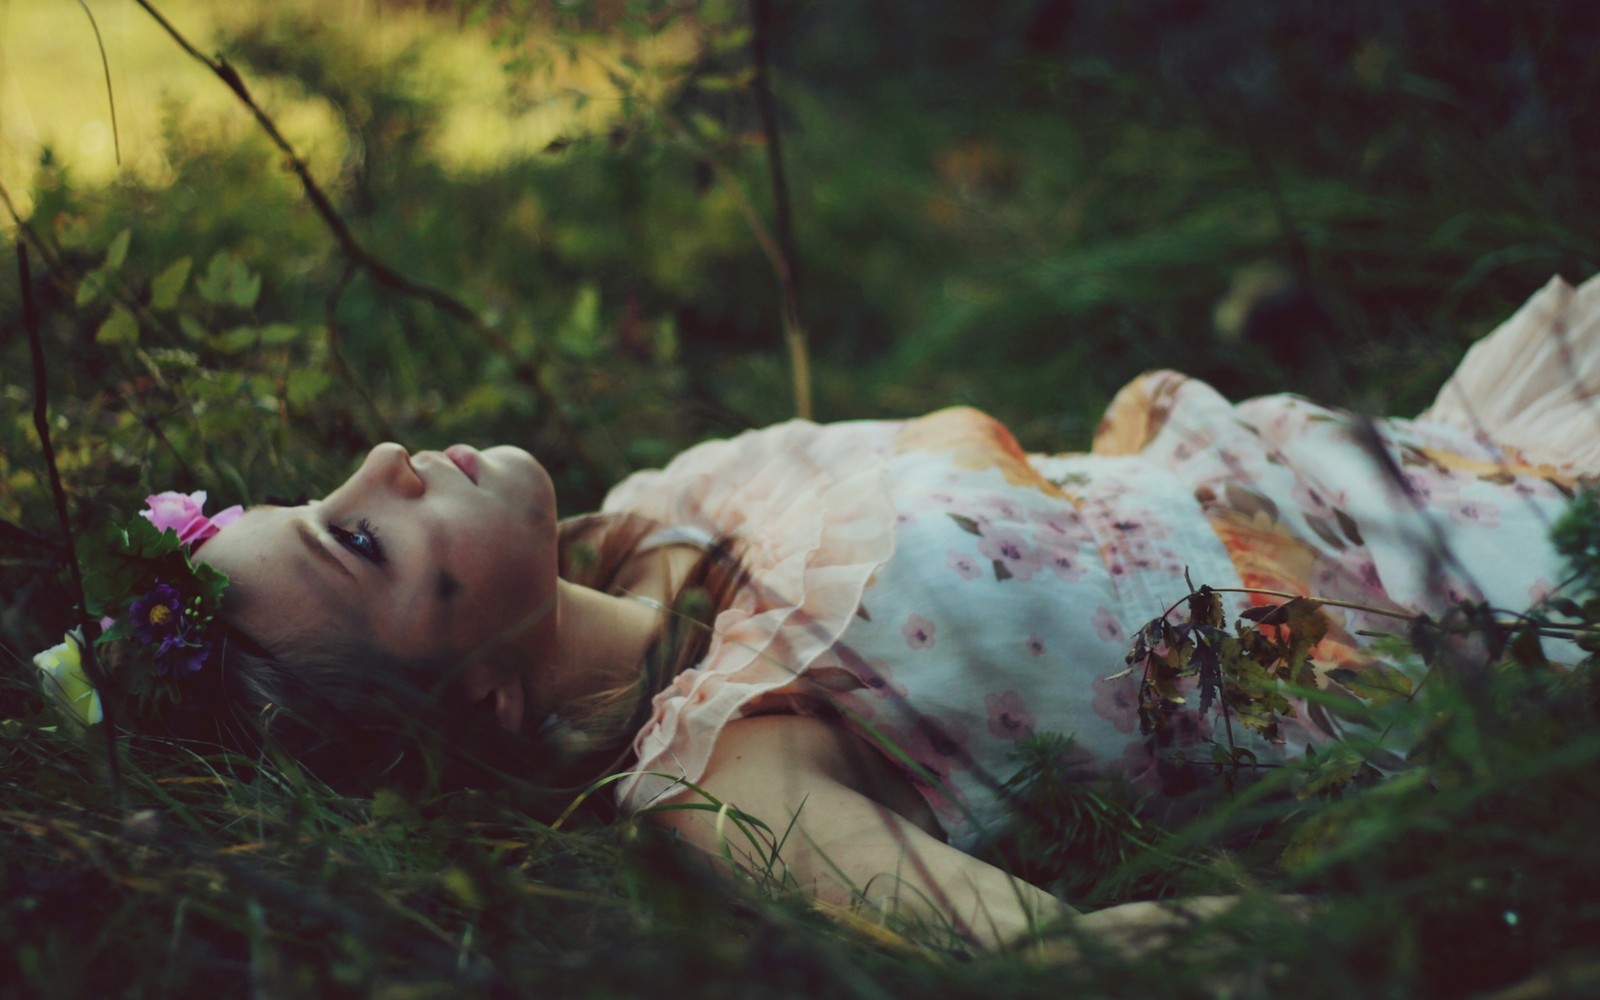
{"x": 320, "y": 550}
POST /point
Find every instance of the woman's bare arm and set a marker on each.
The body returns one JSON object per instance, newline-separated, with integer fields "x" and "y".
{"x": 823, "y": 792}
{"x": 844, "y": 847}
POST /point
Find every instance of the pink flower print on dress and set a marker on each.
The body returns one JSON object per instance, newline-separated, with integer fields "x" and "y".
{"x": 1368, "y": 571}
{"x": 1009, "y": 719}
{"x": 1478, "y": 512}
{"x": 1532, "y": 486}
{"x": 1060, "y": 529}
{"x": 878, "y": 677}
{"x": 1035, "y": 645}
{"x": 1311, "y": 498}
{"x": 965, "y": 566}
{"x": 1010, "y": 552}
{"x": 1349, "y": 576}
{"x": 1107, "y": 625}
{"x": 918, "y": 632}
{"x": 942, "y": 743}
{"x": 183, "y": 514}
{"x": 1004, "y": 510}
{"x": 937, "y": 748}
{"x": 1423, "y": 485}
{"x": 1116, "y": 700}
{"x": 1063, "y": 565}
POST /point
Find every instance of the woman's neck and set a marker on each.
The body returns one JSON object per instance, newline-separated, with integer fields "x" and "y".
{"x": 601, "y": 641}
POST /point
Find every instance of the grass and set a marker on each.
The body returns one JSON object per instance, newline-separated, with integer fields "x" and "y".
{"x": 1366, "y": 195}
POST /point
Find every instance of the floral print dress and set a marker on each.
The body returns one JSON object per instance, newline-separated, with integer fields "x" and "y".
{"x": 944, "y": 594}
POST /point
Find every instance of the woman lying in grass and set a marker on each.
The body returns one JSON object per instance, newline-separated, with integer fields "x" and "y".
{"x": 888, "y": 608}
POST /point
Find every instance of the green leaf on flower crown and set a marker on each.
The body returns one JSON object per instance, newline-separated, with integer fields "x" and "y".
{"x": 145, "y": 542}
{"x": 120, "y": 629}
{"x": 210, "y": 583}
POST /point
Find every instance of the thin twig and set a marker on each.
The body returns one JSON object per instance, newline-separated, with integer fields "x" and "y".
{"x": 105, "y": 64}
{"x": 381, "y": 272}
{"x": 526, "y": 371}
{"x": 336, "y": 349}
{"x": 41, "y": 424}
{"x": 18, "y": 535}
{"x": 794, "y": 334}
{"x": 1352, "y": 605}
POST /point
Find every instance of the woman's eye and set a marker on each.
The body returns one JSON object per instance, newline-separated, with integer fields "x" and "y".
{"x": 363, "y": 541}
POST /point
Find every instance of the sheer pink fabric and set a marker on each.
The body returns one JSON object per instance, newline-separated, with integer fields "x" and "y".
{"x": 1533, "y": 385}
{"x": 812, "y": 513}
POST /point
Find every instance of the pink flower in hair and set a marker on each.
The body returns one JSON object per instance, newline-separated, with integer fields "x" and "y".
{"x": 181, "y": 513}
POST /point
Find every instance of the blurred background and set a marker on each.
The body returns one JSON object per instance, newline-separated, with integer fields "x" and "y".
{"x": 1018, "y": 206}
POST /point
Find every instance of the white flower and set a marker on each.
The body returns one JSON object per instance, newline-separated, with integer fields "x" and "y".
{"x": 64, "y": 682}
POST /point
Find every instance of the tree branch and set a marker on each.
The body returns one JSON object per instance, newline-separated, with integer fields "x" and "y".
{"x": 525, "y": 371}
{"x": 41, "y": 425}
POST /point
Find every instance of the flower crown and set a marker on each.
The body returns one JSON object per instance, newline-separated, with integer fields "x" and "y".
{"x": 152, "y": 601}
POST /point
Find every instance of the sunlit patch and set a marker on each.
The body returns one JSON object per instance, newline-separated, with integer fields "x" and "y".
{"x": 53, "y": 91}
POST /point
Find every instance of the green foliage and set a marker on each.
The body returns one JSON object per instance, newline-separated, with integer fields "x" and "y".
{"x": 1069, "y": 835}
{"x": 1577, "y": 537}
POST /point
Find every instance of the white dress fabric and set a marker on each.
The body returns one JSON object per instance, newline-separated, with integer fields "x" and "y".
{"x": 943, "y": 594}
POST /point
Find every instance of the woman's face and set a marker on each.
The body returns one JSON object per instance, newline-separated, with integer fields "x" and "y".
{"x": 430, "y": 555}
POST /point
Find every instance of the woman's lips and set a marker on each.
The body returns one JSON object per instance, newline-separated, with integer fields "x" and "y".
{"x": 466, "y": 459}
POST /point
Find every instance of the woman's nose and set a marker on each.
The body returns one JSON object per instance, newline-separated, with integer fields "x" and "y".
{"x": 388, "y": 466}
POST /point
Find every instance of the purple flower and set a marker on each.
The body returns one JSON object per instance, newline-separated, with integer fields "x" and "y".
{"x": 181, "y": 513}
{"x": 157, "y": 615}
{"x": 182, "y": 654}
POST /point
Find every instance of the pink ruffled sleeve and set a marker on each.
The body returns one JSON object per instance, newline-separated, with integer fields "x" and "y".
{"x": 810, "y": 508}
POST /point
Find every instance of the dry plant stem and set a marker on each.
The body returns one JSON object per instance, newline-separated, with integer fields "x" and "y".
{"x": 15, "y": 534}
{"x": 794, "y": 334}
{"x": 116, "y": 136}
{"x": 1552, "y": 630}
{"x": 41, "y": 424}
{"x": 1288, "y": 596}
{"x": 336, "y": 348}
{"x": 381, "y": 272}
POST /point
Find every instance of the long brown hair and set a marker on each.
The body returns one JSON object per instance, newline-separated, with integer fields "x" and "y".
{"x": 360, "y": 719}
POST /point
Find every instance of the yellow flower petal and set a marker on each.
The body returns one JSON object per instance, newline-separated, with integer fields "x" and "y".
{"x": 62, "y": 678}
